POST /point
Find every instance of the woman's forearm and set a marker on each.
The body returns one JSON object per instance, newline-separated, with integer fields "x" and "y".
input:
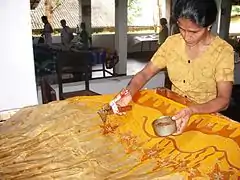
{"x": 137, "y": 82}
{"x": 142, "y": 77}
{"x": 213, "y": 106}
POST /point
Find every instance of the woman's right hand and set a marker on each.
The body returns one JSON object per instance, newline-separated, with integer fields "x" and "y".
{"x": 121, "y": 100}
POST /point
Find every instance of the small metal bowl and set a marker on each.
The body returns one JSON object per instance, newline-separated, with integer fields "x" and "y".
{"x": 164, "y": 126}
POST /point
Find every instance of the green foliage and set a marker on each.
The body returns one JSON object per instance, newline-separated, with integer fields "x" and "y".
{"x": 57, "y": 3}
{"x": 134, "y": 10}
{"x": 235, "y": 10}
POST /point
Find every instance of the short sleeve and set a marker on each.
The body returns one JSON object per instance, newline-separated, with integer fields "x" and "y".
{"x": 159, "y": 58}
{"x": 225, "y": 65}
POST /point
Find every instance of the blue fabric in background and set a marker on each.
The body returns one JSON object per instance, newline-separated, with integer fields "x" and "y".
{"x": 98, "y": 57}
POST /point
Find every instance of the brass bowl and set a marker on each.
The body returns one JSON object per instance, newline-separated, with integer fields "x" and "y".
{"x": 164, "y": 126}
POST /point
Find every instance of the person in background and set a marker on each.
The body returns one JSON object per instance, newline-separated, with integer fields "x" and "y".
{"x": 173, "y": 26}
{"x": 84, "y": 36}
{"x": 47, "y": 31}
{"x": 200, "y": 64}
{"x": 66, "y": 35}
{"x": 163, "y": 34}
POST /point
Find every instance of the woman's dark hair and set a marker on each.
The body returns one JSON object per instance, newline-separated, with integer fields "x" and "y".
{"x": 163, "y": 21}
{"x": 201, "y": 12}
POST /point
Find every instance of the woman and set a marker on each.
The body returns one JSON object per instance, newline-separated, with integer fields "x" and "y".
{"x": 163, "y": 34}
{"x": 200, "y": 65}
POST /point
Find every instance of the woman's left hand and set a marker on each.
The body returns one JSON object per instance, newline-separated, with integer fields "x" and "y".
{"x": 182, "y": 118}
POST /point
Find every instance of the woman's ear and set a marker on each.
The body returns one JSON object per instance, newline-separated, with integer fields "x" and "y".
{"x": 209, "y": 28}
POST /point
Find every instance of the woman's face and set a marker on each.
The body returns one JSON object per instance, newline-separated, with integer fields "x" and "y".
{"x": 191, "y": 32}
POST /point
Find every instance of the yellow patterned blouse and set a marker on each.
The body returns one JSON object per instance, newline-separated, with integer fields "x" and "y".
{"x": 196, "y": 79}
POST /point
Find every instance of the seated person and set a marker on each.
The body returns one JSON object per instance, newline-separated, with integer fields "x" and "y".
{"x": 163, "y": 34}
{"x": 84, "y": 36}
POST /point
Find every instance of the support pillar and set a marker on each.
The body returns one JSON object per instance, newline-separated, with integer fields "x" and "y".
{"x": 86, "y": 14}
{"x": 121, "y": 35}
{"x": 222, "y": 24}
{"x": 168, "y": 9}
{"x": 79, "y": 12}
{"x": 225, "y": 19}
{"x": 17, "y": 74}
{"x": 216, "y": 25}
{"x": 172, "y": 5}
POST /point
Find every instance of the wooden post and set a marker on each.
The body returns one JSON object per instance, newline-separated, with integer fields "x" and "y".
{"x": 48, "y": 10}
{"x": 159, "y": 4}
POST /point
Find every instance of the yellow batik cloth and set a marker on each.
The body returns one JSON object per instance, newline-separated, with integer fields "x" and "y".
{"x": 67, "y": 140}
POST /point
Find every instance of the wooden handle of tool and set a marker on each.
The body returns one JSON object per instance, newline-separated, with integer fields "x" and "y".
{"x": 125, "y": 108}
